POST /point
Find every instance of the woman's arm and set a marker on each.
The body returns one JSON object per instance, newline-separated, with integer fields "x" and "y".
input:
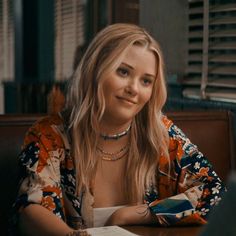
{"x": 192, "y": 190}
{"x": 38, "y": 221}
{"x": 39, "y": 207}
{"x": 132, "y": 215}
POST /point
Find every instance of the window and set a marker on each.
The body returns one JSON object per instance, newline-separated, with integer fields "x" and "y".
{"x": 6, "y": 45}
{"x": 6, "y": 40}
{"x": 69, "y": 33}
{"x": 211, "y": 71}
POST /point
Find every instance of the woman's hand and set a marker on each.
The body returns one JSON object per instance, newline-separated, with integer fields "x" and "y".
{"x": 131, "y": 215}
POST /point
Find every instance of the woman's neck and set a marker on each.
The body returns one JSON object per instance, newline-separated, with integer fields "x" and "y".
{"x": 111, "y": 129}
{"x": 114, "y": 137}
{"x": 111, "y": 145}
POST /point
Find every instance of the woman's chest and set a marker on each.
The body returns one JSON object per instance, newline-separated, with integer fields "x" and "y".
{"x": 108, "y": 186}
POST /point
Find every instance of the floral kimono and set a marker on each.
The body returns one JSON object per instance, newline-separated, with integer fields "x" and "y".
{"x": 185, "y": 193}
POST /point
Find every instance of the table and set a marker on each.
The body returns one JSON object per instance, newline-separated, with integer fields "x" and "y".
{"x": 164, "y": 231}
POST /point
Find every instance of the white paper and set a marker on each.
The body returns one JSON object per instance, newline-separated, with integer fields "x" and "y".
{"x": 109, "y": 231}
{"x": 101, "y": 215}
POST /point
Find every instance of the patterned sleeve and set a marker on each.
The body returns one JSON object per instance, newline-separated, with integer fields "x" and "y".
{"x": 39, "y": 164}
{"x": 195, "y": 185}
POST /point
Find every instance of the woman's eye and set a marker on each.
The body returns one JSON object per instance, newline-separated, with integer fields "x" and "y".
{"x": 147, "y": 81}
{"x": 122, "y": 72}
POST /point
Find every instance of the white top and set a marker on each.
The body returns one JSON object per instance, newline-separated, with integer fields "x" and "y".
{"x": 101, "y": 215}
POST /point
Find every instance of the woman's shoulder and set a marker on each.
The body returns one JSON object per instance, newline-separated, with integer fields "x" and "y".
{"x": 46, "y": 123}
{"x": 49, "y": 129}
{"x": 166, "y": 121}
{"x": 178, "y": 140}
{"x": 173, "y": 130}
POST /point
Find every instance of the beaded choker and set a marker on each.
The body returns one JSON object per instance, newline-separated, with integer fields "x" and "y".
{"x": 115, "y": 136}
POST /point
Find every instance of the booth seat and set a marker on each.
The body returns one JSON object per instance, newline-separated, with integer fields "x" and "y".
{"x": 211, "y": 131}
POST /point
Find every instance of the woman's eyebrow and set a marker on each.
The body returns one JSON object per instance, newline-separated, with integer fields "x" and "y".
{"x": 125, "y": 64}
{"x": 132, "y": 68}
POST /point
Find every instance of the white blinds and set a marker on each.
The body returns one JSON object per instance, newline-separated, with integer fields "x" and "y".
{"x": 69, "y": 33}
{"x": 211, "y": 71}
{"x": 6, "y": 41}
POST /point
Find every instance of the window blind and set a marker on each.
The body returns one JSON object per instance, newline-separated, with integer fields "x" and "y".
{"x": 211, "y": 70}
{"x": 6, "y": 46}
{"x": 6, "y": 40}
{"x": 70, "y": 33}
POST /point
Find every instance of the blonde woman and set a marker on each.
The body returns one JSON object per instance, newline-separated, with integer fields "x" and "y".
{"x": 111, "y": 157}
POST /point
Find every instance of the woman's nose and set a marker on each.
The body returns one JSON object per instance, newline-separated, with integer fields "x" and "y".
{"x": 132, "y": 87}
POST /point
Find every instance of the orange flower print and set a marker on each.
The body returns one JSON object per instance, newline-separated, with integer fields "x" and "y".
{"x": 204, "y": 171}
{"x": 167, "y": 122}
{"x": 206, "y": 192}
{"x": 200, "y": 204}
{"x": 48, "y": 203}
{"x": 52, "y": 189}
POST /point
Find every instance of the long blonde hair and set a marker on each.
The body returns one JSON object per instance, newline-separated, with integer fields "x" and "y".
{"x": 85, "y": 101}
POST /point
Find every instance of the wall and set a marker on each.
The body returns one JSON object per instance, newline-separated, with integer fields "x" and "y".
{"x": 167, "y": 22}
{"x": 1, "y": 100}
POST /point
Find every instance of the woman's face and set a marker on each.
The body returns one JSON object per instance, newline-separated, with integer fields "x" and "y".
{"x": 129, "y": 87}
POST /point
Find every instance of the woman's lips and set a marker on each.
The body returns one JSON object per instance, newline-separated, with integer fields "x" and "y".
{"x": 127, "y": 100}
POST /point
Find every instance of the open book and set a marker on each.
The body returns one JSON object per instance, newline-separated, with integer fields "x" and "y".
{"x": 109, "y": 231}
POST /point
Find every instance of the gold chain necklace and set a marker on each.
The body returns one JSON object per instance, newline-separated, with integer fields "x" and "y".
{"x": 113, "y": 156}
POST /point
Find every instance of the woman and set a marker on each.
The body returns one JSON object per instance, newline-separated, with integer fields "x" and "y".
{"x": 111, "y": 157}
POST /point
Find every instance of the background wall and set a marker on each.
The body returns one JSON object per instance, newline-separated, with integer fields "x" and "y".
{"x": 167, "y": 21}
{"x": 1, "y": 100}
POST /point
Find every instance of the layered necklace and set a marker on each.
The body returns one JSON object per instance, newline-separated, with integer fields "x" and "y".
{"x": 114, "y": 156}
